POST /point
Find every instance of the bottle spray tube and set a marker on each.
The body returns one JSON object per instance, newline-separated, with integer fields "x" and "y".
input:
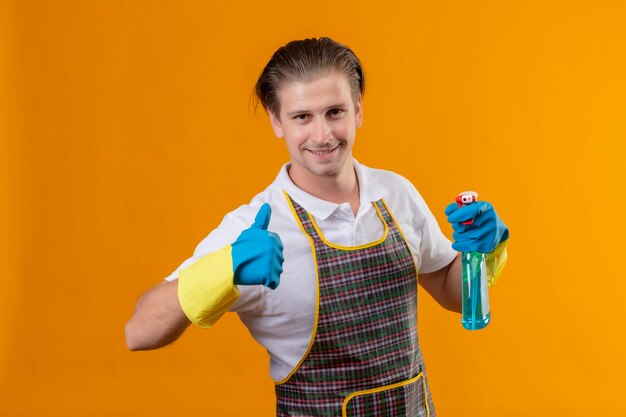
{"x": 476, "y": 311}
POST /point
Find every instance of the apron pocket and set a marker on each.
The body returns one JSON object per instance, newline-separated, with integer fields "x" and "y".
{"x": 403, "y": 399}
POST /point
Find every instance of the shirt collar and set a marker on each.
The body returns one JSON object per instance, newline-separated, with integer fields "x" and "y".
{"x": 370, "y": 190}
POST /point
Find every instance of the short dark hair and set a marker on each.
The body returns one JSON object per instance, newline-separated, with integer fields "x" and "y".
{"x": 304, "y": 60}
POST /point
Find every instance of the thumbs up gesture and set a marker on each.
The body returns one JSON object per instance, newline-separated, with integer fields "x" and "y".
{"x": 258, "y": 254}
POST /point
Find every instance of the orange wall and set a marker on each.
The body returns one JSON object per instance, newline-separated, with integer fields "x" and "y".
{"x": 126, "y": 134}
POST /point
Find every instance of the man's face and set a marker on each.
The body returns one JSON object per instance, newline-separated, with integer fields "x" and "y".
{"x": 318, "y": 120}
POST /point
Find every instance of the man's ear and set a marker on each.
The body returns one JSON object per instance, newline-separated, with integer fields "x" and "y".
{"x": 358, "y": 112}
{"x": 276, "y": 125}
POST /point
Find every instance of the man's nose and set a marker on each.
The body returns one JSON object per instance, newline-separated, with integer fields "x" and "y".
{"x": 323, "y": 132}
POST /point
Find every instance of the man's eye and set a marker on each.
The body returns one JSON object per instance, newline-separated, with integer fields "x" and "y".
{"x": 335, "y": 112}
{"x": 301, "y": 116}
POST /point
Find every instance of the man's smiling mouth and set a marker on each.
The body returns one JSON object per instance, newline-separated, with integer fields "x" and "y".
{"x": 323, "y": 151}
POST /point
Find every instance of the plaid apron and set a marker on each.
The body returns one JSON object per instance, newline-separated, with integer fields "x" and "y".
{"x": 364, "y": 359}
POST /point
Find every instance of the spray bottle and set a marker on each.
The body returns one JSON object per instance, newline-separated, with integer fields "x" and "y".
{"x": 476, "y": 311}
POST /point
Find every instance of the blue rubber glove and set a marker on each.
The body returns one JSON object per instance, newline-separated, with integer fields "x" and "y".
{"x": 486, "y": 231}
{"x": 258, "y": 254}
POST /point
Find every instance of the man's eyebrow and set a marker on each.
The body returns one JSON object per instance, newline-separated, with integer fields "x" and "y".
{"x": 334, "y": 106}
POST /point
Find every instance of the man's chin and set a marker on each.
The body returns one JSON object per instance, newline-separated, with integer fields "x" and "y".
{"x": 321, "y": 169}
{"x": 329, "y": 169}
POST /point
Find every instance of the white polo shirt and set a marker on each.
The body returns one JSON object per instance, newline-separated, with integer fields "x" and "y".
{"x": 282, "y": 319}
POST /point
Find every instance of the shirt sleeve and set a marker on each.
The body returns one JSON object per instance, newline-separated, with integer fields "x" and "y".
{"x": 435, "y": 248}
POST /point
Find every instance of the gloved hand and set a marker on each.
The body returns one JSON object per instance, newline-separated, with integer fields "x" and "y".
{"x": 485, "y": 232}
{"x": 258, "y": 254}
{"x": 206, "y": 288}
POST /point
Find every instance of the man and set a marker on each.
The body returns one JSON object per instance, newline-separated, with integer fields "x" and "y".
{"x": 322, "y": 266}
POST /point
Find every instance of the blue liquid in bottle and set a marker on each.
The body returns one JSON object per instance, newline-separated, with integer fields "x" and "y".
{"x": 476, "y": 311}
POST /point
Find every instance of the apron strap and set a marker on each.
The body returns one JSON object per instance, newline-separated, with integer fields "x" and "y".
{"x": 303, "y": 218}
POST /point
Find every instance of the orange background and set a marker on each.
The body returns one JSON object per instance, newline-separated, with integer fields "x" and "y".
{"x": 126, "y": 133}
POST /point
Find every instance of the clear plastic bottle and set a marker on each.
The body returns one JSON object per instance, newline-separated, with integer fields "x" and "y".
{"x": 476, "y": 310}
